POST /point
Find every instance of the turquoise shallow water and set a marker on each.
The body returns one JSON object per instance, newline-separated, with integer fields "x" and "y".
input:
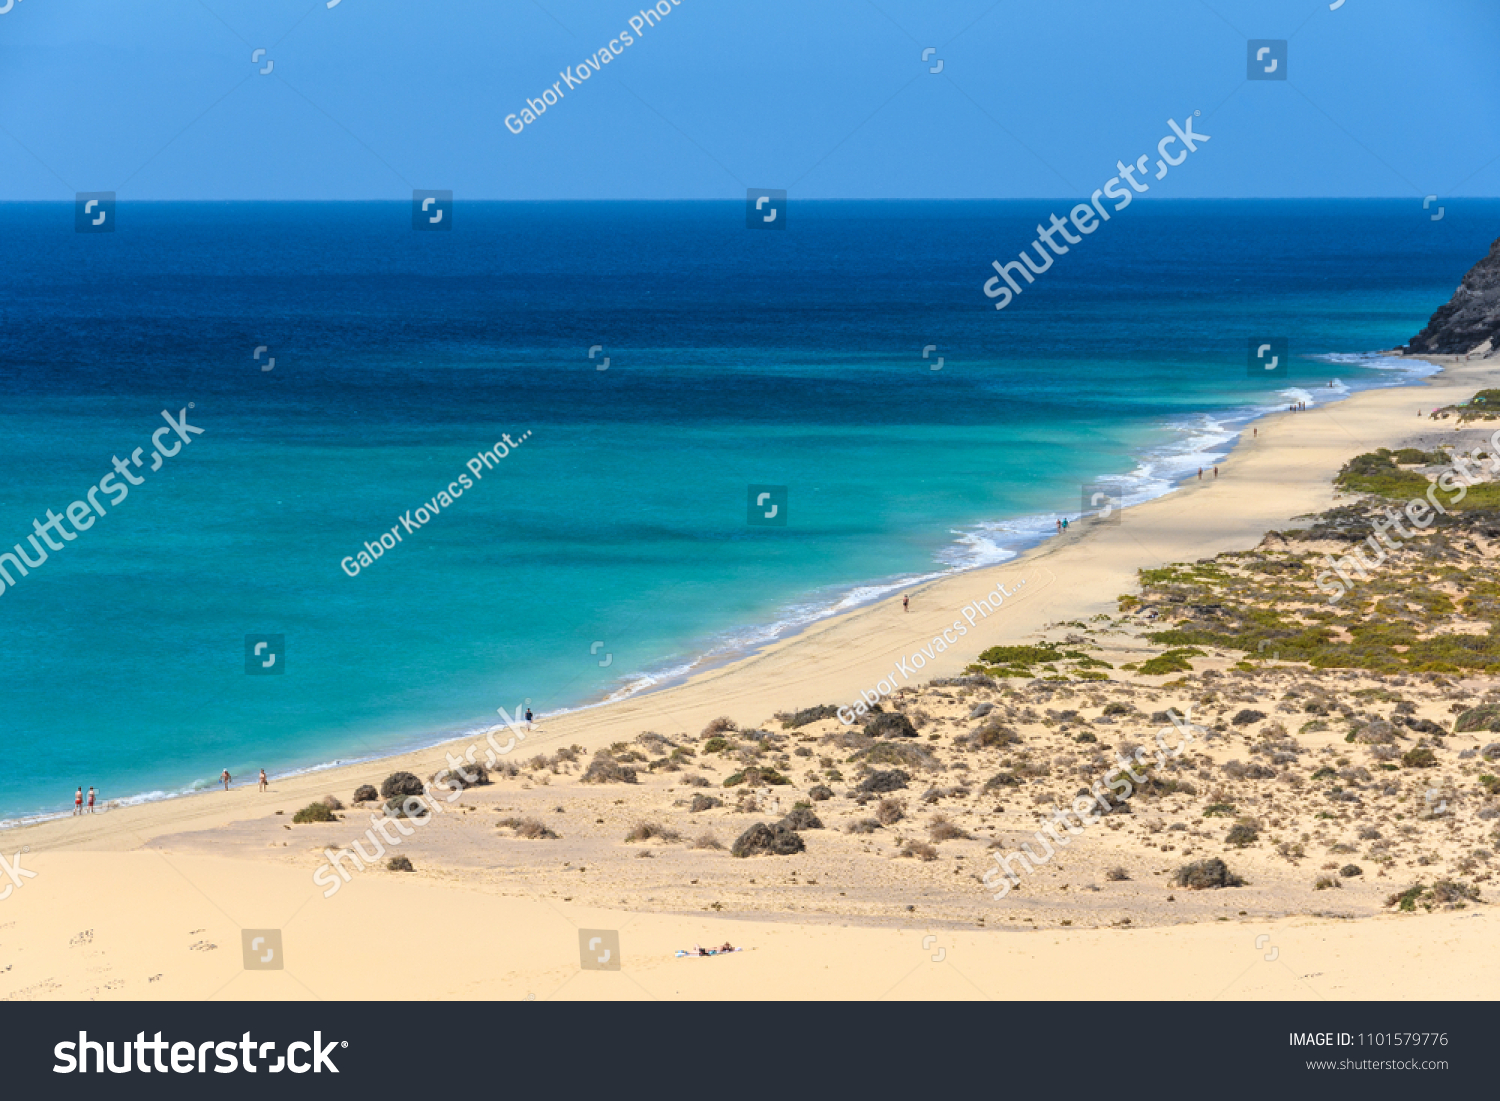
{"x": 736, "y": 358}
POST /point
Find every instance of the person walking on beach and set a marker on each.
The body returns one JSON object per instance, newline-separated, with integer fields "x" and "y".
{"x": 1065, "y": 523}
{"x": 262, "y": 779}
{"x": 91, "y": 798}
{"x": 224, "y": 779}
{"x": 78, "y": 801}
{"x": 1254, "y": 433}
{"x": 906, "y": 603}
{"x": 528, "y": 717}
{"x": 1200, "y": 474}
{"x": 1216, "y": 472}
{"x": 1059, "y": 527}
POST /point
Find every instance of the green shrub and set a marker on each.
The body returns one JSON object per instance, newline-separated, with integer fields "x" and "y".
{"x": 1240, "y": 835}
{"x": 315, "y": 812}
{"x": 1420, "y": 757}
{"x": 1376, "y": 472}
{"x": 1484, "y": 717}
{"x": 1019, "y": 655}
{"x": 1172, "y": 661}
{"x": 1406, "y": 901}
{"x": 756, "y": 776}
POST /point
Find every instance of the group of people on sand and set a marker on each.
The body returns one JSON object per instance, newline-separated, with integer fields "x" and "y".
{"x": 224, "y": 779}
{"x": 78, "y": 804}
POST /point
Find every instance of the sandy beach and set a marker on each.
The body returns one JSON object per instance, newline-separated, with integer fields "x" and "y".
{"x": 150, "y": 901}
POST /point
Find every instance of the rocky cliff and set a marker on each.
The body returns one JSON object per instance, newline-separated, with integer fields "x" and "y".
{"x": 1470, "y": 318}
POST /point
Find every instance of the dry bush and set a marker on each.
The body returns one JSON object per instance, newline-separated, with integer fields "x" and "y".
{"x": 645, "y": 831}
{"x": 1204, "y": 874}
{"x": 707, "y": 841}
{"x": 863, "y": 825}
{"x": 529, "y": 829}
{"x": 722, "y": 725}
{"x": 919, "y": 849}
{"x": 890, "y": 811}
{"x": 942, "y": 829}
{"x": 604, "y": 769}
{"x": 1117, "y": 874}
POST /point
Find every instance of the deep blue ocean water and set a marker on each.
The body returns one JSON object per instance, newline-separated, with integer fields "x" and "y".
{"x": 737, "y": 357}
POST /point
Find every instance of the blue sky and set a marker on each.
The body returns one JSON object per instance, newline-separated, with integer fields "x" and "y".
{"x": 160, "y": 99}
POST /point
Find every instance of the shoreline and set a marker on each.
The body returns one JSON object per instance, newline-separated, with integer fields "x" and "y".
{"x": 682, "y": 673}
{"x": 543, "y": 855}
{"x": 690, "y": 702}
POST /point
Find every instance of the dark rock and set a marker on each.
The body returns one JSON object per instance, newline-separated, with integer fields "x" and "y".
{"x": 399, "y": 864}
{"x": 891, "y": 724}
{"x": 980, "y": 710}
{"x": 763, "y": 840}
{"x": 1470, "y": 317}
{"x": 893, "y": 780}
